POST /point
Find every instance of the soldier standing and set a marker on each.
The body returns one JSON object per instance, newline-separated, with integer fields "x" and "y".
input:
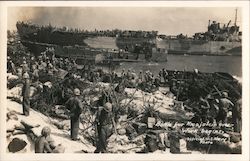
{"x": 11, "y": 68}
{"x": 236, "y": 116}
{"x": 104, "y": 127}
{"x": 25, "y": 67}
{"x": 26, "y": 94}
{"x": 35, "y": 73}
{"x": 165, "y": 75}
{"x": 123, "y": 73}
{"x": 74, "y": 105}
{"x": 224, "y": 105}
{"x": 204, "y": 107}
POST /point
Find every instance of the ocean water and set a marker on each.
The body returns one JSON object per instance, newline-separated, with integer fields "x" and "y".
{"x": 210, "y": 64}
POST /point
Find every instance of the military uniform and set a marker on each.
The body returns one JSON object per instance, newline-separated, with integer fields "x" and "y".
{"x": 26, "y": 97}
{"x": 74, "y": 104}
{"x": 236, "y": 116}
{"x": 204, "y": 106}
{"x": 224, "y": 106}
{"x": 104, "y": 129}
{"x": 25, "y": 68}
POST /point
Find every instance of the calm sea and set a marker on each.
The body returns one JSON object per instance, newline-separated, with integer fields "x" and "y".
{"x": 228, "y": 64}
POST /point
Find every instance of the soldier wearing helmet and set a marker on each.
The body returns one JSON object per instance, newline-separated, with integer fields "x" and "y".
{"x": 74, "y": 105}
{"x": 44, "y": 143}
{"x": 26, "y": 94}
{"x": 224, "y": 105}
{"x": 25, "y": 67}
{"x": 104, "y": 127}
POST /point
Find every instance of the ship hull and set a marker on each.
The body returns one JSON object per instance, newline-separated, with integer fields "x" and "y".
{"x": 80, "y": 53}
{"x": 37, "y": 38}
{"x": 200, "y": 47}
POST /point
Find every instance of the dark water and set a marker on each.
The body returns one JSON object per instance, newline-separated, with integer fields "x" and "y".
{"x": 228, "y": 64}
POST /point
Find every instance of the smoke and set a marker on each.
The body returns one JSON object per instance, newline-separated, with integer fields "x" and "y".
{"x": 15, "y": 14}
{"x": 169, "y": 21}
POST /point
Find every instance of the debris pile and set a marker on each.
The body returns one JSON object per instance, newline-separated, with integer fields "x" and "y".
{"x": 141, "y": 116}
{"x": 173, "y": 112}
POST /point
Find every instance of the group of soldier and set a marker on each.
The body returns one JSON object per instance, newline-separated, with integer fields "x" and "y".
{"x": 30, "y": 72}
{"x": 216, "y": 110}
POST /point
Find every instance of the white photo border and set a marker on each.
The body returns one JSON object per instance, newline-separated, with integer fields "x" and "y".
{"x": 244, "y": 5}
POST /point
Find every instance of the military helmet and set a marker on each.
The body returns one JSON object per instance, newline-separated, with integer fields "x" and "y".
{"x": 108, "y": 106}
{"x": 224, "y": 94}
{"x": 26, "y": 76}
{"x": 77, "y": 91}
{"x": 46, "y": 131}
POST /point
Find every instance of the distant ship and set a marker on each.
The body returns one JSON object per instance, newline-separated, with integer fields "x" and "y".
{"x": 120, "y": 45}
{"x": 219, "y": 39}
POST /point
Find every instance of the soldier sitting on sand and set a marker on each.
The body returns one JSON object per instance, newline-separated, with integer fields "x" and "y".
{"x": 45, "y": 144}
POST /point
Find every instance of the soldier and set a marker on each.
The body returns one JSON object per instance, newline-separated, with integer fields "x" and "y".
{"x": 123, "y": 73}
{"x": 42, "y": 65}
{"x": 35, "y": 73}
{"x": 151, "y": 78}
{"x": 60, "y": 63}
{"x": 214, "y": 108}
{"x": 106, "y": 96}
{"x": 133, "y": 74}
{"x": 50, "y": 69}
{"x": 26, "y": 94}
{"x": 204, "y": 107}
{"x": 11, "y": 68}
{"x": 19, "y": 73}
{"x": 32, "y": 62}
{"x": 25, "y": 67}
{"x": 129, "y": 74}
{"x": 104, "y": 127}
{"x": 224, "y": 105}
{"x": 165, "y": 75}
{"x": 236, "y": 116}
{"x": 44, "y": 143}
{"x": 74, "y": 105}
{"x": 157, "y": 81}
{"x": 140, "y": 77}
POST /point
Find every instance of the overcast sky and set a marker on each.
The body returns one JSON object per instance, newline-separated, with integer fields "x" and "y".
{"x": 166, "y": 20}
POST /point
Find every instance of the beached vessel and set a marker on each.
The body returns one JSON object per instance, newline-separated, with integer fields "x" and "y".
{"x": 119, "y": 45}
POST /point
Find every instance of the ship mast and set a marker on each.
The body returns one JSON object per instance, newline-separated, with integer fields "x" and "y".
{"x": 235, "y": 17}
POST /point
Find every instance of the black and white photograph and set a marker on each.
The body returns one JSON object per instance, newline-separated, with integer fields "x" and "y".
{"x": 124, "y": 80}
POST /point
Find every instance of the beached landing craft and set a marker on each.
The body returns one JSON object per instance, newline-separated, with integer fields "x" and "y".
{"x": 115, "y": 45}
{"x": 130, "y": 46}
